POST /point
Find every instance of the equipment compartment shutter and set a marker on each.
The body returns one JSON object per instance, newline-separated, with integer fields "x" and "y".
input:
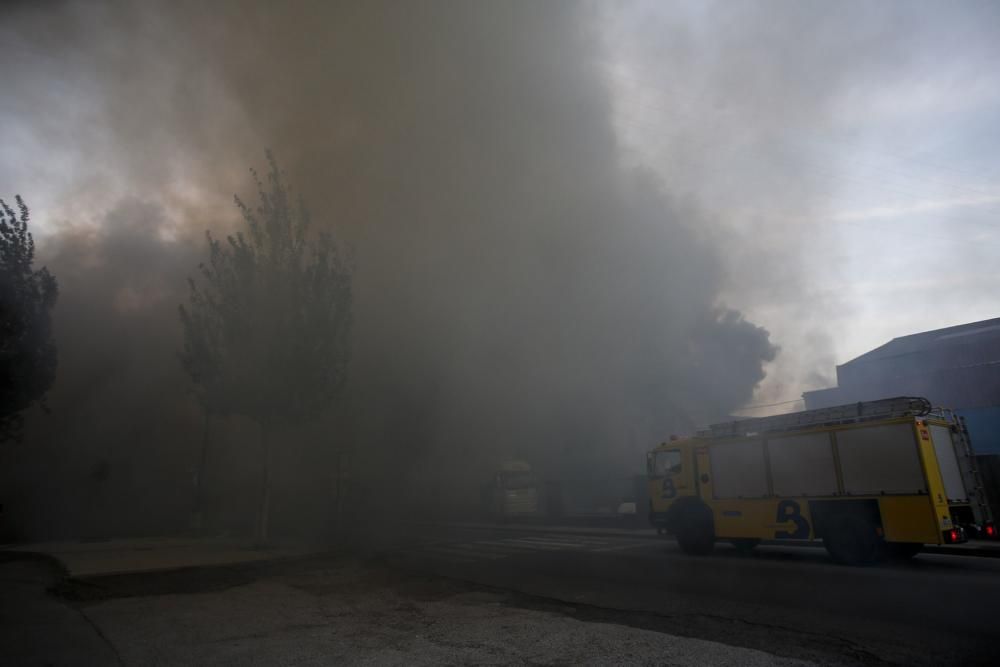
{"x": 802, "y": 465}
{"x": 880, "y": 459}
{"x": 951, "y": 475}
{"x": 738, "y": 469}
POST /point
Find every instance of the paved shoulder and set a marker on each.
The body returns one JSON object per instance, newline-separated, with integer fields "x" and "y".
{"x": 138, "y": 555}
{"x": 39, "y": 629}
{"x": 350, "y": 613}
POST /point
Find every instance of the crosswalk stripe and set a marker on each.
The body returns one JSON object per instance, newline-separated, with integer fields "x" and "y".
{"x": 513, "y": 548}
{"x": 479, "y": 548}
{"x": 568, "y": 539}
{"x": 470, "y": 556}
{"x": 450, "y": 557}
{"x": 535, "y": 546}
{"x": 551, "y": 543}
{"x": 550, "y": 538}
{"x": 621, "y": 547}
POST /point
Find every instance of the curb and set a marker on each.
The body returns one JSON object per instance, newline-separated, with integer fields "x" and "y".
{"x": 979, "y": 552}
{"x": 239, "y": 565}
{"x": 539, "y": 528}
{"x": 64, "y": 573}
{"x": 10, "y": 555}
{"x": 968, "y": 551}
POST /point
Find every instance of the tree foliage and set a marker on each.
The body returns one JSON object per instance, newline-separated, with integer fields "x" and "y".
{"x": 267, "y": 326}
{"x": 27, "y": 352}
{"x": 266, "y": 331}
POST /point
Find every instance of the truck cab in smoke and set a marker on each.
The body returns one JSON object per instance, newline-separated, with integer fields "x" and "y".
{"x": 512, "y": 493}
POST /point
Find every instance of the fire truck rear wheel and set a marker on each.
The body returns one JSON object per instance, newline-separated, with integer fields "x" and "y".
{"x": 903, "y": 550}
{"x": 852, "y": 539}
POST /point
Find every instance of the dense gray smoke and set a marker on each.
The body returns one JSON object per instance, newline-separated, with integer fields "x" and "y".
{"x": 520, "y": 292}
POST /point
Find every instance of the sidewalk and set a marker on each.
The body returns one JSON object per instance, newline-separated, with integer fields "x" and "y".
{"x": 129, "y": 556}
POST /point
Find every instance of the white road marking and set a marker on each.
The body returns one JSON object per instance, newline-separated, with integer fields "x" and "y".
{"x": 495, "y": 549}
{"x": 447, "y": 557}
{"x": 563, "y": 539}
{"x": 487, "y": 550}
{"x": 509, "y": 546}
{"x": 549, "y": 543}
{"x": 468, "y": 556}
{"x": 621, "y": 547}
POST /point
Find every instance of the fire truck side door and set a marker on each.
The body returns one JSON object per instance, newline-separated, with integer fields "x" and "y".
{"x": 674, "y": 468}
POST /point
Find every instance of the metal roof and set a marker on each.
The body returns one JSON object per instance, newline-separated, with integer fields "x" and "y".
{"x": 921, "y": 342}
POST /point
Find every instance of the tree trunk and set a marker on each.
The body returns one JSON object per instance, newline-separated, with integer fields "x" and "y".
{"x": 340, "y": 483}
{"x": 198, "y": 518}
{"x": 265, "y": 492}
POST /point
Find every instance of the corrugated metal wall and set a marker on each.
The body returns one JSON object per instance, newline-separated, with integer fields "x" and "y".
{"x": 984, "y": 428}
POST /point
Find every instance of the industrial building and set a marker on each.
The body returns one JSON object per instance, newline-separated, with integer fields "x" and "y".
{"x": 955, "y": 367}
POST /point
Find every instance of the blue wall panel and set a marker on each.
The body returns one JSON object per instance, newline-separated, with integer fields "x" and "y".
{"x": 984, "y": 428}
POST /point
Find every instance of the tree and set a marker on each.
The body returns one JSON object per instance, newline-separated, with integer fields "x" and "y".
{"x": 267, "y": 329}
{"x": 27, "y": 352}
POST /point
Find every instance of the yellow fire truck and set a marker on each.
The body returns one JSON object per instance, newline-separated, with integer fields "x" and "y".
{"x": 873, "y": 479}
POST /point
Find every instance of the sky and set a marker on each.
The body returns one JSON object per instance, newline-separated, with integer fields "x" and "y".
{"x": 849, "y": 150}
{"x": 830, "y": 172}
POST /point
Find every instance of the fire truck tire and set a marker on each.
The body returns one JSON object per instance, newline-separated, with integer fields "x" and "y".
{"x": 696, "y": 531}
{"x": 852, "y": 539}
{"x": 903, "y": 550}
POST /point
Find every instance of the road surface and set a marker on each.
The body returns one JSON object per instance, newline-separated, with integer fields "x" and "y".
{"x": 329, "y": 609}
{"x": 434, "y": 594}
{"x": 789, "y": 601}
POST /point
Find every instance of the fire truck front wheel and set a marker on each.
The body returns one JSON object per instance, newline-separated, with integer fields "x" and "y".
{"x": 696, "y": 530}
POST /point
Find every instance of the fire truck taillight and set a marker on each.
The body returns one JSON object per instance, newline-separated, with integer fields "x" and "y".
{"x": 953, "y": 536}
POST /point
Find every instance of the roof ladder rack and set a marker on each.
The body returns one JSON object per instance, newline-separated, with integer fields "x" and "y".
{"x": 886, "y": 408}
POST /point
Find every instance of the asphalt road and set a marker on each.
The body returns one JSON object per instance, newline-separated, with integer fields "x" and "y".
{"x": 788, "y": 601}
{"x": 326, "y": 609}
{"x": 420, "y": 594}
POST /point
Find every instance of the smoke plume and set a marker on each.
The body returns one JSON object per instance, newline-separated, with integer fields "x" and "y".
{"x": 523, "y": 291}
